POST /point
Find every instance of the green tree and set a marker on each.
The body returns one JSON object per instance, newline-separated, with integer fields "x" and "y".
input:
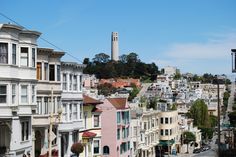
{"x": 232, "y": 118}
{"x": 177, "y": 76}
{"x": 199, "y": 113}
{"x": 152, "y": 103}
{"x": 101, "y": 58}
{"x": 106, "y": 89}
{"x": 174, "y": 107}
{"x": 188, "y": 137}
{"x": 133, "y": 93}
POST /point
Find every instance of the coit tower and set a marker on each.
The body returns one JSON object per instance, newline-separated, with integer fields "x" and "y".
{"x": 114, "y": 46}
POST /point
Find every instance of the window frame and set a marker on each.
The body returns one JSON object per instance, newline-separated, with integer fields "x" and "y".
{"x": 33, "y": 57}
{"x": 13, "y": 54}
{"x": 98, "y": 120}
{"x": 98, "y": 148}
{"x": 25, "y": 130}
{"x": 4, "y": 94}
{"x": 4, "y": 55}
{"x": 24, "y": 57}
{"x": 13, "y": 94}
{"x": 26, "y": 94}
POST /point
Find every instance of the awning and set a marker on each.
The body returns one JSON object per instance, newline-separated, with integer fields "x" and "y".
{"x": 166, "y": 143}
{"x": 88, "y": 134}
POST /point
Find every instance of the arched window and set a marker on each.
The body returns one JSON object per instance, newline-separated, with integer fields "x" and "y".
{"x": 106, "y": 150}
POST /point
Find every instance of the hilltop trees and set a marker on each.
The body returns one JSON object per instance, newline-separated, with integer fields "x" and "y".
{"x": 128, "y": 66}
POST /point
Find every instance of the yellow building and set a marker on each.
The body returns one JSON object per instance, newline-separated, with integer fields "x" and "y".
{"x": 91, "y": 133}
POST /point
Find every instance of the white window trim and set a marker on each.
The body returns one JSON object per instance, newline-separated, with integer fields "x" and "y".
{"x": 29, "y": 130}
{"x": 27, "y": 92}
{"x": 99, "y": 126}
{"x": 6, "y": 93}
{"x": 96, "y": 139}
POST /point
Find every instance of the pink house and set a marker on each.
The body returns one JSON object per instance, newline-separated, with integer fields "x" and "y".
{"x": 115, "y": 130}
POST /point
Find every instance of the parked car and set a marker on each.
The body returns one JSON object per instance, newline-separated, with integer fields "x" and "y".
{"x": 197, "y": 150}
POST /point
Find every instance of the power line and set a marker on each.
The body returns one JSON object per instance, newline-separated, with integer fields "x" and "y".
{"x": 43, "y": 39}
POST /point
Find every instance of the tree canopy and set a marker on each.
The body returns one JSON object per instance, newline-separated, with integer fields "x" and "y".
{"x": 128, "y": 66}
{"x": 199, "y": 113}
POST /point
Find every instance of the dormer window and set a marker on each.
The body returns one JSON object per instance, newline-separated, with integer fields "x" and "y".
{"x": 4, "y": 53}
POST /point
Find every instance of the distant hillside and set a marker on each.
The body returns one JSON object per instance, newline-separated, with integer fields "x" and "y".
{"x": 128, "y": 66}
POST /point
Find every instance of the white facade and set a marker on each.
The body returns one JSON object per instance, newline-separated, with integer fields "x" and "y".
{"x": 169, "y": 70}
{"x": 72, "y": 110}
{"x": 18, "y": 52}
{"x": 114, "y": 46}
{"x": 48, "y": 88}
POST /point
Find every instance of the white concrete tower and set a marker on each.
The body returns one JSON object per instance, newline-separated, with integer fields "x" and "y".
{"x": 114, "y": 46}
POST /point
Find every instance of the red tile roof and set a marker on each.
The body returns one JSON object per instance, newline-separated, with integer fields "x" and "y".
{"x": 118, "y": 103}
{"x": 90, "y": 101}
{"x": 88, "y": 134}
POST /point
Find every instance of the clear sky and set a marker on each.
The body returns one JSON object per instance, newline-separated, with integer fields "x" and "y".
{"x": 196, "y": 36}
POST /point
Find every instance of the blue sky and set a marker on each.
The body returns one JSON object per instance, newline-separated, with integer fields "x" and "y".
{"x": 196, "y": 36}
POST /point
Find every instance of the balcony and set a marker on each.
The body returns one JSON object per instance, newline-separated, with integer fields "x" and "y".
{"x": 73, "y": 125}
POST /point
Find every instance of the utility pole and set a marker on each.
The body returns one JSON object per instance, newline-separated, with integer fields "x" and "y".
{"x": 50, "y": 127}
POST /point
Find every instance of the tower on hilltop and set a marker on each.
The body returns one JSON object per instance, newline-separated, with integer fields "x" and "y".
{"x": 114, "y": 46}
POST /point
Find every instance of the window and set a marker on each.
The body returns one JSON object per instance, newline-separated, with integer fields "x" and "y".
{"x": 145, "y": 125}
{"x": 75, "y": 111}
{"x": 52, "y": 72}
{"x": 162, "y": 132}
{"x": 58, "y": 73}
{"x": 166, "y": 120}
{"x": 161, "y": 120}
{"x": 170, "y": 131}
{"x": 135, "y": 131}
{"x": 24, "y": 56}
{"x": 3, "y": 93}
{"x": 106, "y": 150}
{"x": 33, "y": 57}
{"x": 4, "y": 53}
{"x": 123, "y": 133}
{"x": 39, "y": 71}
{"x": 45, "y": 105}
{"x": 170, "y": 120}
{"x": 13, "y": 88}
{"x": 14, "y": 54}
{"x": 45, "y": 71}
{"x": 64, "y": 86}
{"x": 118, "y": 134}
{"x": 25, "y": 131}
{"x": 118, "y": 117}
{"x": 65, "y": 112}
{"x": 33, "y": 93}
{"x": 70, "y": 88}
{"x": 166, "y": 132}
{"x": 70, "y": 112}
{"x": 96, "y": 146}
{"x": 96, "y": 121}
{"x": 75, "y": 136}
{"x": 75, "y": 83}
{"x": 80, "y": 82}
{"x": 24, "y": 94}
{"x": 39, "y": 104}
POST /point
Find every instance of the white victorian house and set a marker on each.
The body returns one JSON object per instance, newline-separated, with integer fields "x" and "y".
{"x": 72, "y": 107}
{"x": 18, "y": 54}
{"x": 48, "y": 88}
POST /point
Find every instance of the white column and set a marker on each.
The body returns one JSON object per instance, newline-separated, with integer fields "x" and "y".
{"x": 33, "y": 142}
{"x": 56, "y": 105}
{"x": 68, "y": 81}
{"x": 68, "y": 111}
{"x": 78, "y": 110}
{"x": 43, "y": 106}
{"x": 70, "y": 143}
{"x": 45, "y": 146}
{"x": 42, "y": 70}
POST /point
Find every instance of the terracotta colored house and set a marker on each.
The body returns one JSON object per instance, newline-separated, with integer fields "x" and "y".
{"x": 115, "y": 118}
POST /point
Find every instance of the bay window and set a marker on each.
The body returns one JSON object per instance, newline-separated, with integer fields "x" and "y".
{"x": 4, "y": 53}
{"x": 64, "y": 84}
{"x": 24, "y": 56}
{"x": 13, "y": 100}
{"x": 33, "y": 57}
